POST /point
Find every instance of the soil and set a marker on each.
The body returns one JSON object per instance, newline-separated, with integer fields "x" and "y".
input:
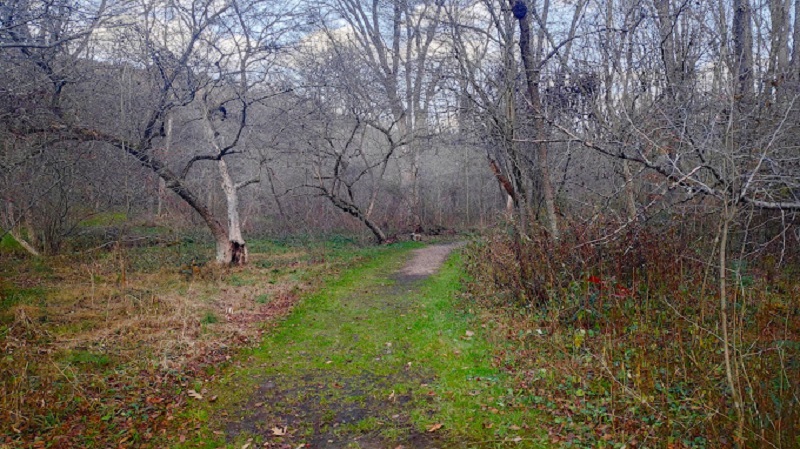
{"x": 425, "y": 261}
{"x": 323, "y": 408}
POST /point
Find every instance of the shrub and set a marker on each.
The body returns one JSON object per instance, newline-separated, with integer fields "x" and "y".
{"x": 632, "y": 316}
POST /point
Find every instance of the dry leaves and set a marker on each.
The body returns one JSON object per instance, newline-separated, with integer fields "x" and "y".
{"x": 195, "y": 394}
{"x": 435, "y": 427}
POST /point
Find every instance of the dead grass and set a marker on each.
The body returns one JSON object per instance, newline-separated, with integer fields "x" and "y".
{"x": 100, "y": 350}
{"x": 619, "y": 342}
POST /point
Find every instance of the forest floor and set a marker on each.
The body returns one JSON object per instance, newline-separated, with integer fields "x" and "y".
{"x": 382, "y": 357}
{"x": 329, "y": 344}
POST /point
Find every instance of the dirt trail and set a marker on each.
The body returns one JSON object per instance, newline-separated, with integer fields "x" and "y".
{"x": 426, "y": 261}
{"x": 344, "y": 377}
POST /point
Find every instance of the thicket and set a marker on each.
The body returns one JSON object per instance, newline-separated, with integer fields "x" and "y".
{"x": 615, "y": 330}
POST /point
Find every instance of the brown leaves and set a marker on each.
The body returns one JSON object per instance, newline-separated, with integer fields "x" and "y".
{"x": 435, "y": 427}
{"x": 195, "y": 394}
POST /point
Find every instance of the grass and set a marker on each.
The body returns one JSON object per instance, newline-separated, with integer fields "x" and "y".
{"x": 369, "y": 359}
{"x": 99, "y": 360}
{"x": 10, "y": 245}
{"x": 209, "y": 318}
{"x": 101, "y": 347}
{"x": 105, "y": 219}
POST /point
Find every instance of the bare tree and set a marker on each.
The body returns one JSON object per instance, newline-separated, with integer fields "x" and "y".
{"x": 398, "y": 46}
{"x": 487, "y": 70}
{"x": 179, "y": 56}
{"x": 348, "y": 155}
{"x": 40, "y": 43}
{"x": 494, "y": 91}
{"x": 348, "y": 143}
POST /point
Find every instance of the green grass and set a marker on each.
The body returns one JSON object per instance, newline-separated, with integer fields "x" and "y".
{"x": 9, "y": 244}
{"x": 11, "y": 296}
{"x": 370, "y": 356}
{"x": 239, "y": 281}
{"x": 105, "y": 219}
{"x": 88, "y": 358}
{"x": 209, "y": 318}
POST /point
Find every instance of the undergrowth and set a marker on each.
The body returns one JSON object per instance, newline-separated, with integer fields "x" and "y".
{"x": 618, "y": 339}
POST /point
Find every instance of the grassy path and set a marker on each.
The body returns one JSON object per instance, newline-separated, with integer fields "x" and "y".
{"x": 376, "y": 360}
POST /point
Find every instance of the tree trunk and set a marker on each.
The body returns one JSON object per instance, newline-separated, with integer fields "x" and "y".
{"x": 224, "y": 251}
{"x": 794, "y": 64}
{"x": 409, "y": 183}
{"x": 743, "y": 46}
{"x": 733, "y": 380}
{"x": 236, "y": 243}
{"x": 162, "y": 189}
{"x": 630, "y": 201}
{"x": 172, "y": 182}
{"x": 24, "y": 244}
{"x": 666, "y": 31}
{"x": 532, "y": 77}
{"x": 505, "y": 184}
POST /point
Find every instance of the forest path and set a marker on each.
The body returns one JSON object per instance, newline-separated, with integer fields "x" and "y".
{"x": 426, "y": 261}
{"x": 382, "y": 358}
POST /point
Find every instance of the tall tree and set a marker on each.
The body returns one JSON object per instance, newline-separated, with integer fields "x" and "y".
{"x": 179, "y": 56}
{"x": 399, "y": 48}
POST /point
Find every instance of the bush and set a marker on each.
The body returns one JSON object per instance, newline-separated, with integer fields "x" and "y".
{"x": 629, "y": 319}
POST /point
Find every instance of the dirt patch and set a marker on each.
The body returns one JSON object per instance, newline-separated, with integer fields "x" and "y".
{"x": 328, "y": 410}
{"x": 426, "y": 261}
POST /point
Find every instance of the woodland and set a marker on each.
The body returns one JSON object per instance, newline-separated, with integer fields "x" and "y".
{"x": 177, "y": 175}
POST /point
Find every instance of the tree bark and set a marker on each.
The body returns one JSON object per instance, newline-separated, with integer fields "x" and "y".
{"x": 532, "y": 77}
{"x": 238, "y": 247}
{"x": 743, "y": 46}
{"x": 794, "y": 64}
{"x": 511, "y": 196}
{"x": 162, "y": 188}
